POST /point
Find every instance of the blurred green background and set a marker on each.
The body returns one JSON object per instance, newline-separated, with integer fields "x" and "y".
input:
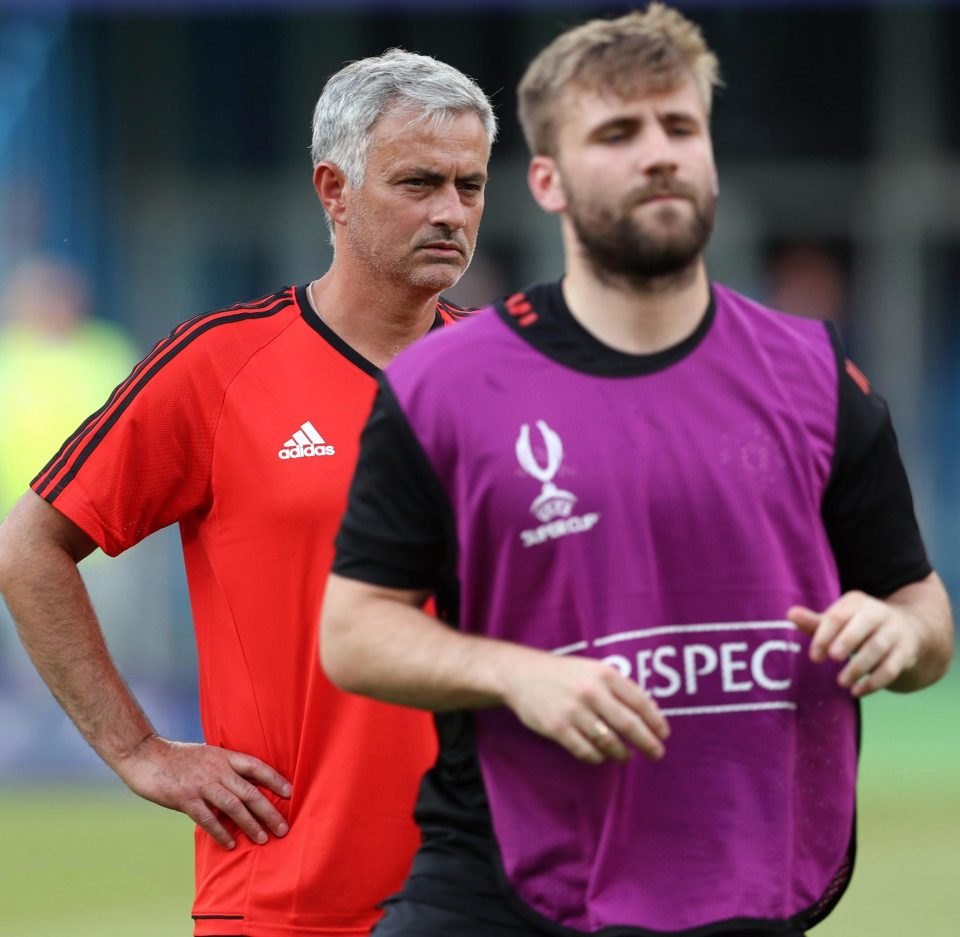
{"x": 95, "y": 861}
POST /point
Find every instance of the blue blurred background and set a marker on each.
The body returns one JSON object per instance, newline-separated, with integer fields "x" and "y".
{"x": 154, "y": 163}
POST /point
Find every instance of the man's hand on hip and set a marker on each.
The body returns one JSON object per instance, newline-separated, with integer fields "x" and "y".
{"x": 207, "y": 783}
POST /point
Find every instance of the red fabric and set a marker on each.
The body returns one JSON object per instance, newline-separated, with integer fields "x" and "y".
{"x": 195, "y": 436}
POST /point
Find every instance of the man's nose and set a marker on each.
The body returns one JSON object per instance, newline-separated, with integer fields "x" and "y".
{"x": 447, "y": 208}
{"x": 657, "y": 152}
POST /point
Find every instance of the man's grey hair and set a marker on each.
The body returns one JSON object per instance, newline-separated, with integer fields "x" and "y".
{"x": 358, "y": 95}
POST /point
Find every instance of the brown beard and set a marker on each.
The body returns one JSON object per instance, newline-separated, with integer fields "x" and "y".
{"x": 617, "y": 245}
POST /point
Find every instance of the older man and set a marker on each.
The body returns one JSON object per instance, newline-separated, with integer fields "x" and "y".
{"x": 242, "y": 426}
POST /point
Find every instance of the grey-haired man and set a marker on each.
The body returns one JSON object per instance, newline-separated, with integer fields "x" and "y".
{"x": 242, "y": 426}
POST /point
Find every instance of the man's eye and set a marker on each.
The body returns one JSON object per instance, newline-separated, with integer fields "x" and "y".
{"x": 614, "y": 136}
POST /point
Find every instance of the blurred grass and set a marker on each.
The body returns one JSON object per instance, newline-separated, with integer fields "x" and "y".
{"x": 92, "y": 862}
{"x": 98, "y": 862}
{"x": 908, "y": 841}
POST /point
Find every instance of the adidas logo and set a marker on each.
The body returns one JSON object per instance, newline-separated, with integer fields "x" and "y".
{"x": 304, "y": 443}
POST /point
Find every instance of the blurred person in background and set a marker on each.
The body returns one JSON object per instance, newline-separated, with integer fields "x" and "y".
{"x": 638, "y": 495}
{"x": 807, "y": 280}
{"x": 57, "y": 363}
{"x": 243, "y": 427}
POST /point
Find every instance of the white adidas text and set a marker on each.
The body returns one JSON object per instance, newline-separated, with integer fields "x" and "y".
{"x": 305, "y": 452}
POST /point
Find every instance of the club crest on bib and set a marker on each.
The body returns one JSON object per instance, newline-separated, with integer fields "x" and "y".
{"x": 552, "y": 501}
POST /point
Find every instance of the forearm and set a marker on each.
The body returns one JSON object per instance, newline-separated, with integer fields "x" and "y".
{"x": 39, "y": 552}
{"x": 378, "y": 643}
{"x": 59, "y": 629}
{"x": 927, "y": 607}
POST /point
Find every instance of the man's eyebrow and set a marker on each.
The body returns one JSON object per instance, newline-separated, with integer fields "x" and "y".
{"x": 623, "y": 121}
{"x": 680, "y": 115}
{"x": 420, "y": 172}
{"x": 434, "y": 177}
{"x": 618, "y": 119}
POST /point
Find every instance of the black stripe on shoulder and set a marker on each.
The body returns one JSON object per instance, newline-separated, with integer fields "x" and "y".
{"x": 143, "y": 377}
{"x": 62, "y": 456}
{"x": 264, "y": 302}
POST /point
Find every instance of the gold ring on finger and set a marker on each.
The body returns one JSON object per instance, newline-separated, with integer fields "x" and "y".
{"x": 600, "y": 731}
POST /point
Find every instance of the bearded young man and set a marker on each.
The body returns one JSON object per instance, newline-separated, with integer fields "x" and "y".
{"x": 243, "y": 427}
{"x": 639, "y": 496}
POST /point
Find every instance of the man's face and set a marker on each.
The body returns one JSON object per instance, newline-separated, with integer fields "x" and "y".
{"x": 415, "y": 216}
{"x": 638, "y": 179}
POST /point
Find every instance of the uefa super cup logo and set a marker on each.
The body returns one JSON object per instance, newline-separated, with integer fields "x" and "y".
{"x": 552, "y": 502}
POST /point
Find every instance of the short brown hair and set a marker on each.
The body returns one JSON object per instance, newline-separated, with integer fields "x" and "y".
{"x": 653, "y": 49}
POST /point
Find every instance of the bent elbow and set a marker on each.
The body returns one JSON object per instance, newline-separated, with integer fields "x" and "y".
{"x": 334, "y": 663}
{"x": 340, "y": 660}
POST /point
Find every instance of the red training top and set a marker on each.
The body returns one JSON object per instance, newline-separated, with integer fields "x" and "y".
{"x": 243, "y": 426}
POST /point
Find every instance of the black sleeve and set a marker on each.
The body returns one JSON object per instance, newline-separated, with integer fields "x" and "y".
{"x": 397, "y": 530}
{"x": 867, "y": 507}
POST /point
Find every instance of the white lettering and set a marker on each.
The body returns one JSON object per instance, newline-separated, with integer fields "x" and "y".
{"x": 704, "y": 670}
{"x": 690, "y": 653}
{"x": 556, "y": 529}
{"x": 300, "y": 452}
{"x": 643, "y": 670}
{"x": 760, "y": 655}
{"x": 665, "y": 670}
{"x": 728, "y": 666}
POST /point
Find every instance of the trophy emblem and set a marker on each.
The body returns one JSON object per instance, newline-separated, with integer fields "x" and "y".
{"x": 552, "y": 502}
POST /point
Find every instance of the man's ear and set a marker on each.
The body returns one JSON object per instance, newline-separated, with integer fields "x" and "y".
{"x": 331, "y": 184}
{"x": 546, "y": 184}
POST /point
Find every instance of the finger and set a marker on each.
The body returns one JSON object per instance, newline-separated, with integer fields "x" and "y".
{"x": 854, "y": 635}
{"x": 851, "y": 619}
{"x": 884, "y": 674}
{"x": 825, "y": 627}
{"x": 632, "y": 727}
{"x": 824, "y": 635}
{"x": 253, "y": 768}
{"x": 232, "y": 806}
{"x": 640, "y": 702}
{"x": 257, "y": 804}
{"x": 635, "y": 723}
{"x": 867, "y": 657}
{"x": 577, "y": 743}
{"x": 604, "y": 739}
{"x": 200, "y": 813}
{"x": 804, "y": 618}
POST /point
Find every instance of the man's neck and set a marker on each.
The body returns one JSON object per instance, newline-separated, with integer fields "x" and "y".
{"x": 638, "y": 319}
{"x": 377, "y": 319}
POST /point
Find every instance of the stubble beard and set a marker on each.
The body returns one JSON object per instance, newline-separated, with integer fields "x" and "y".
{"x": 620, "y": 247}
{"x": 402, "y": 267}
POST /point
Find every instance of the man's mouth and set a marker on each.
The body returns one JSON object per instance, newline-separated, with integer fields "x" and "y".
{"x": 443, "y": 247}
{"x": 661, "y": 195}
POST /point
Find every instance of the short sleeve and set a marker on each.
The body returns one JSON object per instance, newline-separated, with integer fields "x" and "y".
{"x": 868, "y": 507}
{"x": 397, "y": 529}
{"x": 142, "y": 461}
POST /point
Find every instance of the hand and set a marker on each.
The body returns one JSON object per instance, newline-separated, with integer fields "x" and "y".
{"x": 878, "y": 640}
{"x": 203, "y": 781}
{"x": 586, "y": 706}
